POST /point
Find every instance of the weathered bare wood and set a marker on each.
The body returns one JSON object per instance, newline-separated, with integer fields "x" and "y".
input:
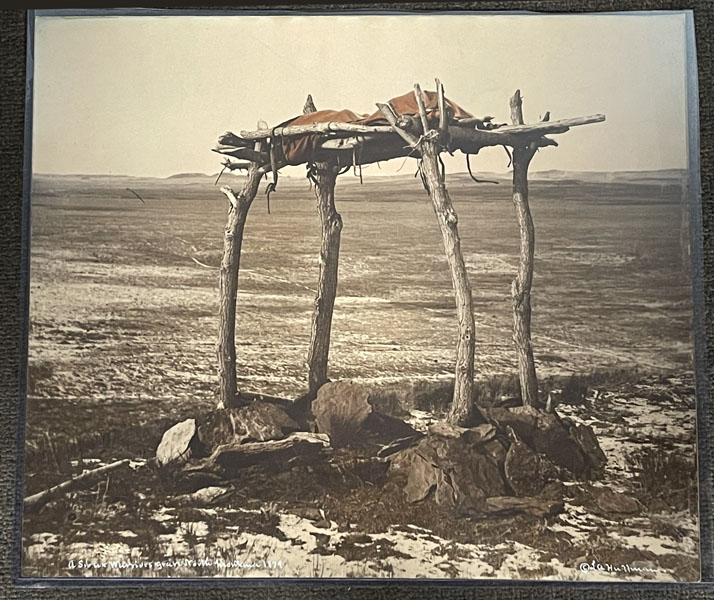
{"x": 461, "y": 410}
{"x": 394, "y": 121}
{"x": 470, "y": 140}
{"x": 236, "y": 166}
{"x": 522, "y": 284}
{"x": 517, "y": 108}
{"x": 321, "y": 323}
{"x": 488, "y": 137}
{"x": 243, "y": 153}
{"x": 327, "y": 127}
{"x": 383, "y": 146}
{"x": 309, "y": 106}
{"x": 485, "y": 123}
{"x": 229, "y": 270}
{"x": 36, "y": 501}
{"x": 321, "y": 326}
{"x": 273, "y": 454}
{"x": 443, "y": 117}
{"x": 422, "y": 107}
{"x": 231, "y": 139}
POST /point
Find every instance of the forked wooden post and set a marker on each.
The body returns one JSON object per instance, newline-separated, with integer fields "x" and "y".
{"x": 462, "y": 408}
{"x": 331, "y": 228}
{"x": 521, "y": 286}
{"x": 230, "y": 266}
{"x": 321, "y": 326}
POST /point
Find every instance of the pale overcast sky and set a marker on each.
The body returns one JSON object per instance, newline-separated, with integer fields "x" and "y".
{"x": 150, "y": 95}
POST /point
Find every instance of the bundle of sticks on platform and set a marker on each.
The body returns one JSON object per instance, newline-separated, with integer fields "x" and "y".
{"x": 347, "y": 143}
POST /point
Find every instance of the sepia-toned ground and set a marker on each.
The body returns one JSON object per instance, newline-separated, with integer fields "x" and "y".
{"x": 122, "y": 344}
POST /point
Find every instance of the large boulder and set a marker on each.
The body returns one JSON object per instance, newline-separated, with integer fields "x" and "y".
{"x": 572, "y": 447}
{"x": 340, "y": 409}
{"x": 258, "y": 421}
{"x": 460, "y": 475}
{"x": 178, "y": 444}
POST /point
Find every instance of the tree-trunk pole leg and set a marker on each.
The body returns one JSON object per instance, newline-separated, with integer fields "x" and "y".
{"x": 230, "y": 267}
{"x": 462, "y": 406}
{"x": 321, "y": 326}
{"x": 521, "y": 286}
{"x": 461, "y": 411}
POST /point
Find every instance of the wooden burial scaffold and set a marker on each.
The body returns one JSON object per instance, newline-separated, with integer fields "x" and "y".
{"x": 421, "y": 125}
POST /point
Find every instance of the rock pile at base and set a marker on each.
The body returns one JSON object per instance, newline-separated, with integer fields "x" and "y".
{"x": 497, "y": 467}
{"x": 517, "y": 454}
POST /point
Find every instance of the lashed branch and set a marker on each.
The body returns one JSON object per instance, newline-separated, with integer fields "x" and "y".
{"x": 327, "y": 127}
{"x": 393, "y": 120}
{"x": 335, "y": 127}
{"x": 466, "y": 136}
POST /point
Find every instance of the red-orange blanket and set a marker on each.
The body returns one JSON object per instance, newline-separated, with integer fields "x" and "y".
{"x": 298, "y": 150}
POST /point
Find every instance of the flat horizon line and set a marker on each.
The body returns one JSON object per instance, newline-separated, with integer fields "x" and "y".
{"x": 497, "y": 173}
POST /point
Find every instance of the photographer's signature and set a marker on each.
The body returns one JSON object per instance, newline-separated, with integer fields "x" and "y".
{"x": 587, "y": 567}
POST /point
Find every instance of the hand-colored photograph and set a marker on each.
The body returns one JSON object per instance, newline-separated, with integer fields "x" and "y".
{"x": 362, "y": 296}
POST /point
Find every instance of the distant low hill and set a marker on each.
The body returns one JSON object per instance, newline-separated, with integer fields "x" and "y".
{"x": 611, "y": 176}
{"x": 187, "y": 175}
{"x": 46, "y": 182}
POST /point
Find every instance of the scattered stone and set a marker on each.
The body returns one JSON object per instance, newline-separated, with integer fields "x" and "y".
{"x": 189, "y": 481}
{"x": 260, "y": 422}
{"x": 308, "y": 512}
{"x": 208, "y": 496}
{"x": 609, "y": 502}
{"x": 178, "y": 443}
{"x": 322, "y": 524}
{"x": 537, "y": 507}
{"x": 527, "y": 472}
{"x": 340, "y": 410}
